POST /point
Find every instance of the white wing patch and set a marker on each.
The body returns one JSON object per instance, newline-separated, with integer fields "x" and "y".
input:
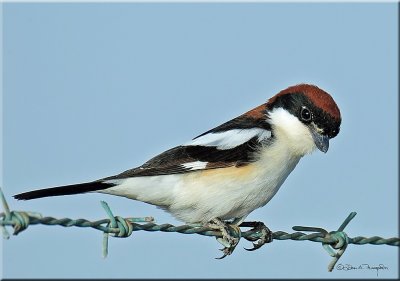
{"x": 196, "y": 165}
{"x": 230, "y": 139}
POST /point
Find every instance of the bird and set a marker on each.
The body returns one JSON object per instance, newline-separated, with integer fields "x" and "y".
{"x": 219, "y": 177}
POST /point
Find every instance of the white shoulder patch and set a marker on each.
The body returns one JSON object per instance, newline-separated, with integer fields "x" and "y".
{"x": 196, "y": 165}
{"x": 230, "y": 139}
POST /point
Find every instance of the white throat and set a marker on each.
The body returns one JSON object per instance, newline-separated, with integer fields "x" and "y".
{"x": 288, "y": 128}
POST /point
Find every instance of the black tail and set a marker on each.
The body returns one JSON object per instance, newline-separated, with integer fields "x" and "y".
{"x": 64, "y": 190}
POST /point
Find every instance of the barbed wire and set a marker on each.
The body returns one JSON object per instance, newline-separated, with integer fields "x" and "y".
{"x": 334, "y": 242}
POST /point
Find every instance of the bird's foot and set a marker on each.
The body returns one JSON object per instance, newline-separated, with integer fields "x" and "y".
{"x": 258, "y": 227}
{"x": 231, "y": 234}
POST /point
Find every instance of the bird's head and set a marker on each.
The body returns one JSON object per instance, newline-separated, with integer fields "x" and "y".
{"x": 306, "y": 116}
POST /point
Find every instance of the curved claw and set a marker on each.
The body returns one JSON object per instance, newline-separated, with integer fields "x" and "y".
{"x": 227, "y": 251}
{"x": 230, "y": 235}
{"x": 266, "y": 236}
{"x": 255, "y": 247}
{"x": 220, "y": 258}
{"x": 250, "y": 249}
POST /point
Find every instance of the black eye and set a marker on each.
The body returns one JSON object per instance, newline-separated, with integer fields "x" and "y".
{"x": 305, "y": 114}
{"x": 335, "y": 132}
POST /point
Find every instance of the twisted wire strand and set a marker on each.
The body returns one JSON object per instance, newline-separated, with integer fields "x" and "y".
{"x": 188, "y": 229}
{"x": 334, "y": 242}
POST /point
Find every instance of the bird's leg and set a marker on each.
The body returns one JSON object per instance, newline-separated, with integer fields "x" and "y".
{"x": 231, "y": 234}
{"x": 266, "y": 234}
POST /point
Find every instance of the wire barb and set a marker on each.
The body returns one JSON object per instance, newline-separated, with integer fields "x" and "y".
{"x": 338, "y": 239}
{"x": 334, "y": 242}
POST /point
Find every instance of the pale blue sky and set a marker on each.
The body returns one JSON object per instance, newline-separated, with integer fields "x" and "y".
{"x": 91, "y": 90}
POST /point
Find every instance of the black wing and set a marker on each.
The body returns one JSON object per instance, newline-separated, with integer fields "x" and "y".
{"x": 185, "y": 158}
{"x": 176, "y": 160}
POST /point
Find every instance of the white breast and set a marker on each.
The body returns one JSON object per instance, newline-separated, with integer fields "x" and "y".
{"x": 225, "y": 193}
{"x": 231, "y": 192}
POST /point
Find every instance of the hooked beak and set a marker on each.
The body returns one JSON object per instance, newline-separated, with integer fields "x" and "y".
{"x": 321, "y": 141}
